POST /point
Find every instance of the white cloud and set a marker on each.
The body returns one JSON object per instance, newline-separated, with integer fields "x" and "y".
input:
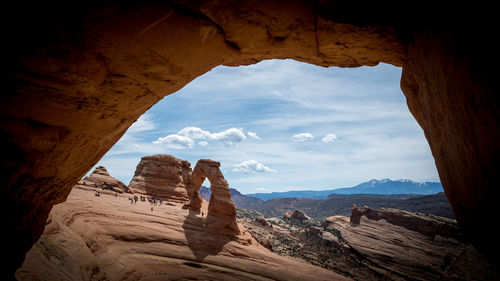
{"x": 380, "y": 138}
{"x": 175, "y": 142}
{"x": 329, "y": 138}
{"x": 252, "y": 166}
{"x": 302, "y": 137}
{"x": 260, "y": 189}
{"x": 195, "y": 133}
{"x": 186, "y": 137}
{"x": 228, "y": 137}
{"x": 253, "y": 135}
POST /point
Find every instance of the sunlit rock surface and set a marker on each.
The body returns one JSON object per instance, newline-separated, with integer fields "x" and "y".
{"x": 101, "y": 179}
{"x": 221, "y": 215}
{"x": 108, "y": 238}
{"x": 79, "y": 74}
{"x": 163, "y": 176}
{"x": 410, "y": 246}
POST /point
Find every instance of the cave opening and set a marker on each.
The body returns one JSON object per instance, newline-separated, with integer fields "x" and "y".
{"x": 78, "y": 78}
{"x": 269, "y": 123}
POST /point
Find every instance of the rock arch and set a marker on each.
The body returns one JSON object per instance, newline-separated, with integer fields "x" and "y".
{"x": 79, "y": 75}
{"x": 221, "y": 215}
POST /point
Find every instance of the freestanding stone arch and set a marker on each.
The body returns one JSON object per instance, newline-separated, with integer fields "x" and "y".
{"x": 221, "y": 215}
{"x": 80, "y": 73}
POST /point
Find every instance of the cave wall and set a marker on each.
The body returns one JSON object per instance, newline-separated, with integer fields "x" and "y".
{"x": 79, "y": 76}
{"x": 451, "y": 92}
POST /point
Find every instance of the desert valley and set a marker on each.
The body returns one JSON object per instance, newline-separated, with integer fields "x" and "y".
{"x": 160, "y": 227}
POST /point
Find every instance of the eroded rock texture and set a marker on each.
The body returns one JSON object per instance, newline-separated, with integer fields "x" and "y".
{"x": 164, "y": 176}
{"x": 450, "y": 92}
{"x": 100, "y": 178}
{"x": 80, "y": 73}
{"x": 429, "y": 225}
{"x": 107, "y": 238}
{"x": 400, "y": 245}
{"x": 221, "y": 215}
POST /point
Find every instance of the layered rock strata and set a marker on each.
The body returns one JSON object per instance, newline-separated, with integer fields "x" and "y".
{"x": 429, "y": 225}
{"x": 221, "y": 215}
{"x": 400, "y": 245}
{"x": 164, "y": 176}
{"x": 100, "y": 178}
{"x": 107, "y": 238}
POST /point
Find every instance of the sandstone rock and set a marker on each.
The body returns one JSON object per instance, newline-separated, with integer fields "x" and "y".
{"x": 355, "y": 214}
{"x": 221, "y": 215}
{"x": 288, "y": 214}
{"x": 79, "y": 76}
{"x": 266, "y": 243}
{"x": 328, "y": 239}
{"x": 425, "y": 224}
{"x": 410, "y": 245}
{"x": 315, "y": 230}
{"x": 262, "y": 222}
{"x": 299, "y": 215}
{"x": 164, "y": 176}
{"x": 85, "y": 239}
{"x": 100, "y": 178}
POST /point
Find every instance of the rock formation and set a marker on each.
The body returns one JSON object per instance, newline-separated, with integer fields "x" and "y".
{"x": 429, "y": 225}
{"x": 221, "y": 215}
{"x": 85, "y": 239}
{"x": 296, "y": 215}
{"x": 79, "y": 75}
{"x": 100, "y": 178}
{"x": 163, "y": 176}
{"x": 299, "y": 215}
{"x": 263, "y": 222}
{"x": 409, "y": 246}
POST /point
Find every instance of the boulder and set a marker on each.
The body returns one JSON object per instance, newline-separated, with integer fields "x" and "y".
{"x": 262, "y": 222}
{"x": 266, "y": 243}
{"x": 299, "y": 215}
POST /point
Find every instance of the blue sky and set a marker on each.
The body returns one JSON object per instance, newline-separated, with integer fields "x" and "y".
{"x": 284, "y": 125}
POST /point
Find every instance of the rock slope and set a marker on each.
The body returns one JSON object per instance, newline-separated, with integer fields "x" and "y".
{"x": 107, "y": 238}
{"x": 410, "y": 246}
{"x": 383, "y": 244}
{"x": 100, "y": 178}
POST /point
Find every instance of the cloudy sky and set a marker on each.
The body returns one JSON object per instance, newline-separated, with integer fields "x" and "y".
{"x": 284, "y": 125}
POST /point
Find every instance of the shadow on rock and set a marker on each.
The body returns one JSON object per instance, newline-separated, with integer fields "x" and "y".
{"x": 200, "y": 240}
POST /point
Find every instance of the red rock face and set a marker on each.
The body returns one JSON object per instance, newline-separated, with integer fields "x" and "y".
{"x": 450, "y": 92}
{"x": 163, "y": 176}
{"x": 221, "y": 216}
{"x": 79, "y": 75}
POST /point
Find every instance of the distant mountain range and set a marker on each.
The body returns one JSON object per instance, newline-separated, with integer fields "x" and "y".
{"x": 322, "y": 204}
{"x": 341, "y": 204}
{"x": 384, "y": 186}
